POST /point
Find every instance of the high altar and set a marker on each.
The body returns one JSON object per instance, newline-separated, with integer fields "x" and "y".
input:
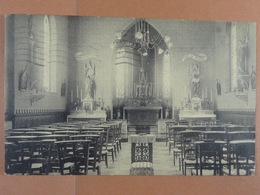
{"x": 146, "y": 112}
{"x": 142, "y": 111}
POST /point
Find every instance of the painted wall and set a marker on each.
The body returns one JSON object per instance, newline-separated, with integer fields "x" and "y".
{"x": 228, "y": 99}
{"x": 22, "y": 59}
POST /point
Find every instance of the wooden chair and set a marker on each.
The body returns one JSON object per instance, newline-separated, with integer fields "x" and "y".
{"x": 110, "y": 145}
{"x": 241, "y": 157}
{"x": 13, "y": 159}
{"x": 170, "y": 138}
{"x": 95, "y": 148}
{"x": 39, "y": 158}
{"x": 245, "y": 158}
{"x": 208, "y": 157}
{"x": 174, "y": 136}
{"x": 118, "y": 136}
{"x": 102, "y": 131}
{"x": 75, "y": 162}
{"x": 235, "y": 137}
{"x": 38, "y": 166}
{"x": 188, "y": 151}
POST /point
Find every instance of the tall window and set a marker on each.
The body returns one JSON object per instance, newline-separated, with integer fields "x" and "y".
{"x": 120, "y": 70}
{"x": 166, "y": 75}
{"x": 50, "y": 49}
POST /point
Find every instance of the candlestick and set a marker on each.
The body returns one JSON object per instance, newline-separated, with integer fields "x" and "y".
{"x": 211, "y": 97}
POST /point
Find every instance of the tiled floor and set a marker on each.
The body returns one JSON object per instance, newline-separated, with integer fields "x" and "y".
{"x": 162, "y": 161}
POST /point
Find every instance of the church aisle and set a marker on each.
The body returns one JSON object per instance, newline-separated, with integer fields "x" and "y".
{"x": 162, "y": 161}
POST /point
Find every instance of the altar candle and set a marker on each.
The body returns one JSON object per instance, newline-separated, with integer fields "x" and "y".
{"x": 71, "y": 97}
{"x": 211, "y": 97}
{"x": 77, "y": 91}
{"x": 206, "y": 92}
{"x": 202, "y": 95}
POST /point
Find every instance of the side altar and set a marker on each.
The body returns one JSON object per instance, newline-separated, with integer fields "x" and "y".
{"x": 86, "y": 105}
{"x": 198, "y": 105}
{"x": 88, "y": 109}
{"x": 82, "y": 115}
{"x": 201, "y": 115}
{"x": 196, "y": 112}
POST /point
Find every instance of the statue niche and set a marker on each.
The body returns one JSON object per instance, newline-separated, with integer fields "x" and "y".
{"x": 143, "y": 88}
{"x": 90, "y": 85}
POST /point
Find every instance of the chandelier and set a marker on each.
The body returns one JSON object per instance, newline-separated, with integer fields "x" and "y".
{"x": 143, "y": 37}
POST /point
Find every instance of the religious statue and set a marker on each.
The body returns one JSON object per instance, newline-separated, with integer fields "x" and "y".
{"x": 218, "y": 85}
{"x": 243, "y": 53}
{"x": 253, "y": 78}
{"x": 195, "y": 80}
{"x": 23, "y": 80}
{"x": 90, "y": 85}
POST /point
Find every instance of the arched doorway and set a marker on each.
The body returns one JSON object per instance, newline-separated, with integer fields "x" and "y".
{"x": 142, "y": 62}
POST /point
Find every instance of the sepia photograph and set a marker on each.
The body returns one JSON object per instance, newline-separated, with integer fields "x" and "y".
{"x": 88, "y": 95}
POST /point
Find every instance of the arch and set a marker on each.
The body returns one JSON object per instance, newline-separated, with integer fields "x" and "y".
{"x": 128, "y": 64}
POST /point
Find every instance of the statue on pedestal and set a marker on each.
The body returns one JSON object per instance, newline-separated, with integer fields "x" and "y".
{"x": 90, "y": 85}
{"x": 195, "y": 80}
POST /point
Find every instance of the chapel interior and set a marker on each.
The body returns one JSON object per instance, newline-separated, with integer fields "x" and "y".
{"x": 129, "y": 96}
